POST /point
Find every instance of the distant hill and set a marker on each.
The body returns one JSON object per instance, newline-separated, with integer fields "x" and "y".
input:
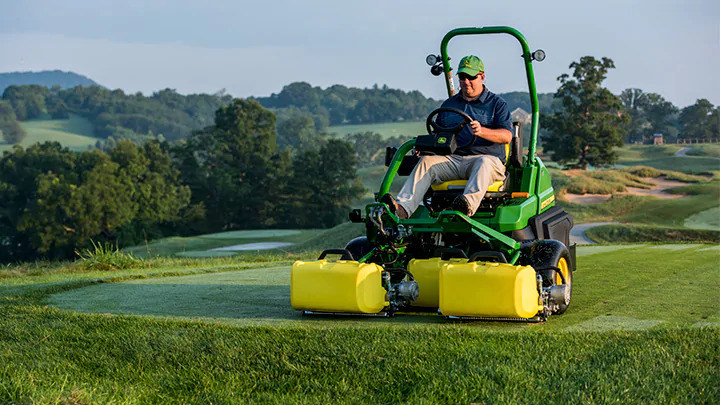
{"x": 47, "y": 78}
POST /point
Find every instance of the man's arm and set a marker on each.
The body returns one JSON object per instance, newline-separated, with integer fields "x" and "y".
{"x": 500, "y": 135}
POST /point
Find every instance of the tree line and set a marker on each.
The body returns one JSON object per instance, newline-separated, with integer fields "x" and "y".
{"x": 255, "y": 167}
{"x": 339, "y": 104}
{"x": 165, "y": 114}
{"x": 229, "y": 175}
{"x": 592, "y": 121}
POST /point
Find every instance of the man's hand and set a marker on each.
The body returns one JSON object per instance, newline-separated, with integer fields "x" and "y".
{"x": 499, "y": 135}
{"x": 476, "y": 128}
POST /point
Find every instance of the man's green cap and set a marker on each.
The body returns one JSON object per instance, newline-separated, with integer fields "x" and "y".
{"x": 471, "y": 65}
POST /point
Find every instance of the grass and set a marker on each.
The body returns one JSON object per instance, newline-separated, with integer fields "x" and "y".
{"x": 610, "y": 181}
{"x": 702, "y": 194}
{"x": 199, "y": 246}
{"x": 662, "y": 157}
{"x": 409, "y": 129}
{"x": 105, "y": 256}
{"x": 75, "y": 133}
{"x": 673, "y": 212}
{"x": 650, "y": 210}
{"x": 371, "y": 178}
{"x": 642, "y": 327}
{"x": 651, "y": 233}
{"x": 704, "y": 150}
{"x": 708, "y": 219}
{"x": 335, "y": 237}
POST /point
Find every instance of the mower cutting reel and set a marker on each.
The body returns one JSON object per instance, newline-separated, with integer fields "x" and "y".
{"x": 510, "y": 261}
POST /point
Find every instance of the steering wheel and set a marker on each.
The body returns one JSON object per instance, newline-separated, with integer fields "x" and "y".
{"x": 433, "y": 127}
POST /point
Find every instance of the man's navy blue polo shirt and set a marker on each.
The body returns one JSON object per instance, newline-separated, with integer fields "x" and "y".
{"x": 490, "y": 111}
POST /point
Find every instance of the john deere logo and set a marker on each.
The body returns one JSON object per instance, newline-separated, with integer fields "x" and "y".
{"x": 466, "y": 62}
{"x": 442, "y": 140}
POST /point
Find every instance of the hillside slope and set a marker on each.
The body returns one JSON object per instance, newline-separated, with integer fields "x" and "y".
{"x": 47, "y": 78}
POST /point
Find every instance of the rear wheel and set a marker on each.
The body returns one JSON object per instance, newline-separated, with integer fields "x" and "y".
{"x": 551, "y": 259}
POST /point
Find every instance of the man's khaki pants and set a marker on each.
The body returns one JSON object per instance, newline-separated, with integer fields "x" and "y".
{"x": 480, "y": 170}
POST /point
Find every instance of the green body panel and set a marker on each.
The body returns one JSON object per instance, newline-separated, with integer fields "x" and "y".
{"x": 545, "y": 192}
{"x": 514, "y": 215}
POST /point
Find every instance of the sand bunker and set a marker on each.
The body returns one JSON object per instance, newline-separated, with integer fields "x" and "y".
{"x": 658, "y": 190}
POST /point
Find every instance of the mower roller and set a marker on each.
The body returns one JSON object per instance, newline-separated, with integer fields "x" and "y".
{"x": 510, "y": 261}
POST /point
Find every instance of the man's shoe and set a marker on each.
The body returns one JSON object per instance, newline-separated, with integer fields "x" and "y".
{"x": 395, "y": 208}
{"x": 461, "y": 204}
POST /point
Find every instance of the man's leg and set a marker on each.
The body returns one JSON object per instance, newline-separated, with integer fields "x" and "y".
{"x": 482, "y": 171}
{"x": 429, "y": 170}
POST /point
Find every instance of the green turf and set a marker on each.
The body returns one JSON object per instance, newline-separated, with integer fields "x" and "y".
{"x": 650, "y": 210}
{"x": 256, "y": 234}
{"x": 642, "y": 327}
{"x": 408, "y": 129}
{"x": 60, "y": 357}
{"x": 708, "y": 219}
{"x": 662, "y": 157}
{"x": 618, "y": 233}
{"x": 201, "y": 245}
{"x": 75, "y": 133}
{"x": 206, "y": 253}
{"x": 621, "y": 279}
{"x": 704, "y": 150}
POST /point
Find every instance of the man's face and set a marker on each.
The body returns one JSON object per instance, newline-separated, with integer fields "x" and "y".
{"x": 471, "y": 86}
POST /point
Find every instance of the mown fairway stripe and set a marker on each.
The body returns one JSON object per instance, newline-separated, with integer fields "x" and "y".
{"x": 626, "y": 287}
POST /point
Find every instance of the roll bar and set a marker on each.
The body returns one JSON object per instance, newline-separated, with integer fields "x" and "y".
{"x": 527, "y": 57}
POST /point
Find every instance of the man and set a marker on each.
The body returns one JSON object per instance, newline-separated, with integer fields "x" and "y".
{"x": 482, "y": 162}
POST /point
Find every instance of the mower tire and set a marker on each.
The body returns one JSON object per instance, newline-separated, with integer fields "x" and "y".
{"x": 358, "y": 247}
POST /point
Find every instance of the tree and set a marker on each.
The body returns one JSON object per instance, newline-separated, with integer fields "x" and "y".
{"x": 696, "y": 121}
{"x": 234, "y": 167}
{"x": 591, "y": 122}
{"x": 10, "y": 129}
{"x": 650, "y": 113}
{"x": 297, "y": 132}
{"x": 54, "y": 201}
{"x": 370, "y": 147}
{"x": 715, "y": 123}
{"x": 70, "y": 211}
{"x": 634, "y": 101}
{"x": 28, "y": 101}
{"x": 19, "y": 171}
{"x": 659, "y": 113}
{"x": 323, "y": 186}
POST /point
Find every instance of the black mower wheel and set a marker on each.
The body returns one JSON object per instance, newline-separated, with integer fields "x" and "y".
{"x": 551, "y": 259}
{"x": 358, "y": 247}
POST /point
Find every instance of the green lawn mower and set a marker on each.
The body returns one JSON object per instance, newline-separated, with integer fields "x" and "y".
{"x": 510, "y": 261}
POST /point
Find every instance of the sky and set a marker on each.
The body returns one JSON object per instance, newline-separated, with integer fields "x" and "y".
{"x": 254, "y": 48}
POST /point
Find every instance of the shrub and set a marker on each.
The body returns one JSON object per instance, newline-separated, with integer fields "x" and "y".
{"x": 644, "y": 171}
